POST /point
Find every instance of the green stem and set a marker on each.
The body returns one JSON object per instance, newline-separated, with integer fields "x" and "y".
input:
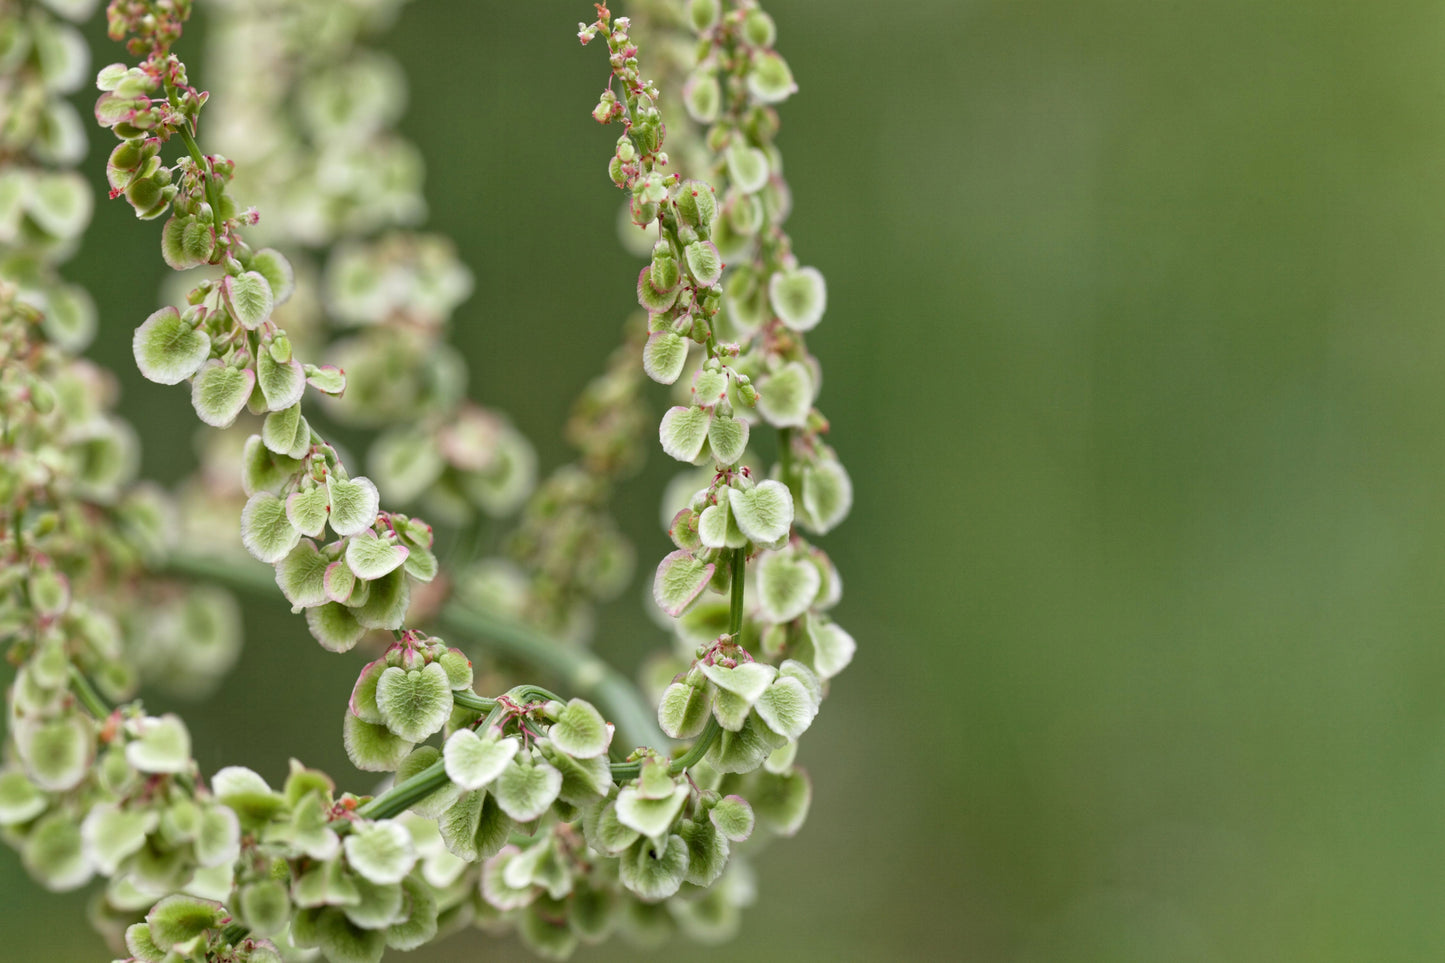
{"x": 208, "y": 179}
{"x": 579, "y": 670}
{"x": 785, "y": 455}
{"x": 735, "y": 601}
{"x": 470, "y": 700}
{"x": 87, "y": 695}
{"x": 711, "y": 731}
{"x": 401, "y": 797}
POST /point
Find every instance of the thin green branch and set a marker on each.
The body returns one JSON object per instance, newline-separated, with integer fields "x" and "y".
{"x": 405, "y": 794}
{"x": 579, "y": 671}
{"x": 470, "y": 700}
{"x": 87, "y": 695}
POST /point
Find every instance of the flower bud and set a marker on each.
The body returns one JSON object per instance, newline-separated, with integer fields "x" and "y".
{"x": 605, "y": 108}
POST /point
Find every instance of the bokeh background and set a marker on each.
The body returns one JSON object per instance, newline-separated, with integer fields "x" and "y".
{"x": 1135, "y": 354}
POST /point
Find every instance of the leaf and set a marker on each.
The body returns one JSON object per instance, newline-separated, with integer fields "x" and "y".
{"x": 386, "y": 602}
{"x": 248, "y": 299}
{"x": 527, "y": 788}
{"x": 788, "y": 584}
{"x": 799, "y": 297}
{"x": 650, "y": 817}
{"x": 702, "y": 95}
{"x": 406, "y": 463}
{"x": 57, "y": 753}
{"x": 308, "y": 509}
{"x": 112, "y": 834}
{"x": 218, "y": 839}
{"x": 680, "y": 579}
{"x": 733, "y": 817}
{"x": 302, "y": 576}
{"x": 473, "y": 761}
{"x": 263, "y": 470}
{"x": 728, "y": 438}
{"x": 716, "y": 527}
{"x": 419, "y": 926}
{"x": 827, "y": 495}
{"x": 654, "y": 871}
{"x": 280, "y": 277}
{"x": 707, "y": 851}
{"x": 747, "y": 680}
{"x": 683, "y": 431}
{"x": 178, "y": 918}
{"x": 363, "y": 693}
{"x": 583, "y": 780}
{"x": 704, "y": 262}
{"x": 54, "y": 854}
{"x": 342, "y": 941}
{"x": 683, "y": 710}
{"x": 334, "y": 626}
{"x": 664, "y": 355}
{"x": 421, "y": 564}
{"x": 764, "y": 512}
{"x": 340, "y": 581}
{"x": 186, "y": 242}
{"x": 282, "y": 383}
{"x": 327, "y": 379}
{"x": 265, "y": 906}
{"x": 416, "y": 703}
{"x": 781, "y": 800}
{"x": 354, "y": 504}
{"x": 606, "y": 834}
{"x": 371, "y": 556}
{"x": 278, "y": 432}
{"x": 832, "y": 647}
{"x": 373, "y": 748}
{"x": 168, "y": 350}
{"x": 580, "y": 731}
{"x": 380, "y": 851}
{"x": 770, "y": 80}
{"x": 247, "y": 795}
{"x": 265, "y": 530}
{"x": 747, "y": 167}
{"x": 219, "y": 392}
{"x": 786, "y": 396}
{"x": 652, "y": 299}
{"x": 20, "y": 800}
{"x": 163, "y": 745}
{"x": 745, "y": 749}
{"x": 787, "y": 707}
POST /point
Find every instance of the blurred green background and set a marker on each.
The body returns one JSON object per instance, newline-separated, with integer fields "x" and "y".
{"x": 1135, "y": 355}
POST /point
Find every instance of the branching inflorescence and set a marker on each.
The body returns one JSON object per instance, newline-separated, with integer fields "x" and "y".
{"x": 522, "y": 809}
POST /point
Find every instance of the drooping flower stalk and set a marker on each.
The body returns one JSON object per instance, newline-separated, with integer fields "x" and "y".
{"x": 522, "y": 813}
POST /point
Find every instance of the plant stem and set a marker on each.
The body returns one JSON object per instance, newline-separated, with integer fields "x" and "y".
{"x": 87, "y": 695}
{"x": 470, "y": 700}
{"x": 402, "y": 796}
{"x": 578, "y": 669}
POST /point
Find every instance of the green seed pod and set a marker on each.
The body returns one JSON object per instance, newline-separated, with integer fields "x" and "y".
{"x": 759, "y": 29}
{"x": 696, "y": 203}
{"x": 702, "y": 14}
{"x": 664, "y": 272}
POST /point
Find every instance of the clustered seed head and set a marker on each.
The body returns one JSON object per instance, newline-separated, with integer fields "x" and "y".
{"x": 522, "y": 808}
